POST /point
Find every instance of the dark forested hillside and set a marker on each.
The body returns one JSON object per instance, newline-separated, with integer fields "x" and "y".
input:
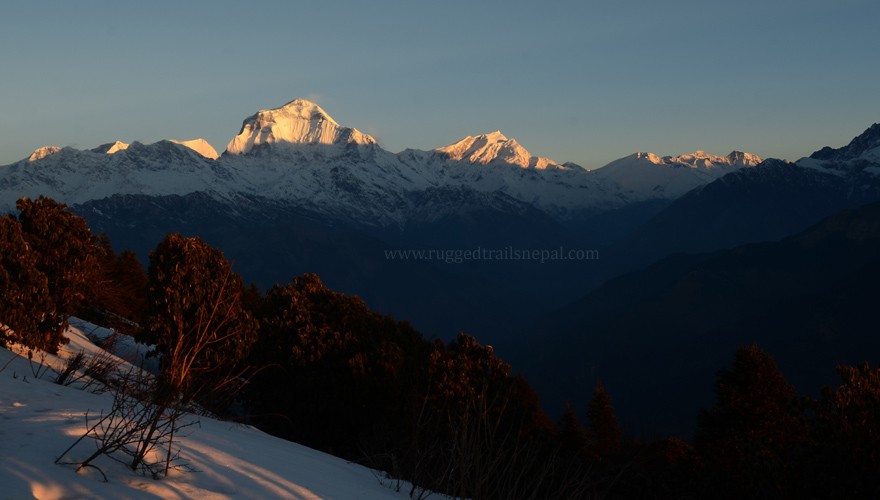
{"x": 654, "y": 336}
{"x": 766, "y": 203}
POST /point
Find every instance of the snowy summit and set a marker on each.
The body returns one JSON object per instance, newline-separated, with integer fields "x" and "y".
{"x": 111, "y": 148}
{"x": 492, "y": 148}
{"x": 43, "y": 152}
{"x": 862, "y": 154}
{"x": 200, "y": 146}
{"x": 274, "y": 157}
{"x": 297, "y": 122}
{"x": 673, "y": 175}
{"x": 699, "y": 159}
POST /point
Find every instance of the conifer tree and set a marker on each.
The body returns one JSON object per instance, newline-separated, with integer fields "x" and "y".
{"x": 755, "y": 428}
{"x": 572, "y": 435}
{"x": 848, "y": 434}
{"x": 604, "y": 432}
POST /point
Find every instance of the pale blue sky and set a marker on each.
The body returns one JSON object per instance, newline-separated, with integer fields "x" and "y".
{"x": 586, "y": 81}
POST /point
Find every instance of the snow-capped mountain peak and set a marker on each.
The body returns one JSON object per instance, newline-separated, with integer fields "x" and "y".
{"x": 650, "y": 157}
{"x": 494, "y": 147}
{"x": 111, "y": 147}
{"x": 650, "y": 175}
{"x": 697, "y": 159}
{"x": 496, "y": 136}
{"x": 200, "y": 146}
{"x": 866, "y": 145}
{"x": 703, "y": 160}
{"x": 741, "y": 158}
{"x": 862, "y": 154}
{"x": 297, "y": 122}
{"x": 276, "y": 157}
{"x": 43, "y": 152}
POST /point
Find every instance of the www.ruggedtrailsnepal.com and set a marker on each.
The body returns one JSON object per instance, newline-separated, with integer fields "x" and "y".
{"x": 460, "y": 255}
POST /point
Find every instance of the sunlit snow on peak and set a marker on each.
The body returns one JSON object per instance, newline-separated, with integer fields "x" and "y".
{"x": 43, "y": 152}
{"x": 297, "y": 122}
{"x": 651, "y": 157}
{"x": 495, "y": 147}
{"x": 200, "y": 146}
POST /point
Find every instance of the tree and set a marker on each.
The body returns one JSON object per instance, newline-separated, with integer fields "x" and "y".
{"x": 66, "y": 252}
{"x": 604, "y": 434}
{"x": 196, "y": 318}
{"x": 465, "y": 370}
{"x": 572, "y": 435}
{"x": 848, "y": 434}
{"x": 446, "y": 418}
{"x": 349, "y": 372}
{"x": 130, "y": 280}
{"x": 756, "y": 427}
{"x": 117, "y": 296}
{"x": 201, "y": 331}
{"x": 24, "y": 295}
{"x": 483, "y": 432}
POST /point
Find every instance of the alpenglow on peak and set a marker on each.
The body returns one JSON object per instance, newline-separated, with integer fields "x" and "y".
{"x": 699, "y": 159}
{"x": 495, "y": 147}
{"x": 43, "y": 152}
{"x": 297, "y": 122}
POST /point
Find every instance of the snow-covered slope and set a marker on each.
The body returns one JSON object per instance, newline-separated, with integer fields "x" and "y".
{"x": 862, "y": 154}
{"x": 75, "y": 176}
{"x": 297, "y": 122}
{"x": 651, "y": 176}
{"x": 41, "y": 419}
{"x": 299, "y": 156}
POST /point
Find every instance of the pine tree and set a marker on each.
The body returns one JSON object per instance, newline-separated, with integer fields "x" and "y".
{"x": 848, "y": 434}
{"x": 750, "y": 436}
{"x": 572, "y": 435}
{"x": 604, "y": 432}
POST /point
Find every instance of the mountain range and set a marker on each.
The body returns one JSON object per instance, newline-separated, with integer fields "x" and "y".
{"x": 300, "y": 156}
{"x": 294, "y": 191}
{"x": 321, "y": 197}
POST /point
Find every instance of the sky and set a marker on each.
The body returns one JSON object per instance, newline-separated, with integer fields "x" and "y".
{"x": 588, "y": 81}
